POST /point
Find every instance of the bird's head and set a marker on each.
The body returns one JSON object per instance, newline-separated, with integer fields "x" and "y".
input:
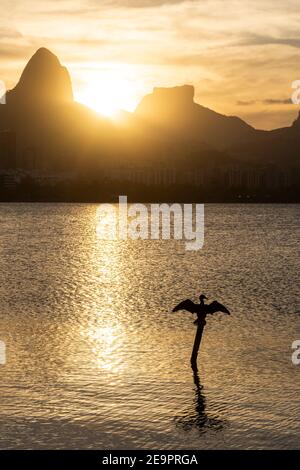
{"x": 202, "y": 297}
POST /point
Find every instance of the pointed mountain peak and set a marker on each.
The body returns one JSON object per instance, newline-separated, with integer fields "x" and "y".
{"x": 41, "y": 57}
{"x": 44, "y": 79}
{"x": 44, "y": 51}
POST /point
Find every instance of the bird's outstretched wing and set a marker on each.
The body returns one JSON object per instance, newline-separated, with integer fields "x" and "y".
{"x": 186, "y": 305}
{"x": 216, "y": 307}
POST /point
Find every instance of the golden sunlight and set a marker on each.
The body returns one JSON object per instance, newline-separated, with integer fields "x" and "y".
{"x": 107, "y": 94}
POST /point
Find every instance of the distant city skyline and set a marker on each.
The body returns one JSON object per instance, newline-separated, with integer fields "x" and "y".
{"x": 242, "y": 57}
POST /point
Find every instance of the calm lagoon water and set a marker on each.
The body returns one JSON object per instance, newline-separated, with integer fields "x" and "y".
{"x": 96, "y": 360}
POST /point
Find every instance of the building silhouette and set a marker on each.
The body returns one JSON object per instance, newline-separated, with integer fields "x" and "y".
{"x": 8, "y": 150}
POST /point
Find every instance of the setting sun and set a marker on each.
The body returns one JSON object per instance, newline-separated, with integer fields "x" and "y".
{"x": 108, "y": 94}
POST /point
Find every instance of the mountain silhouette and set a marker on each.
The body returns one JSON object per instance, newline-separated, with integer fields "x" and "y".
{"x": 278, "y": 147}
{"x": 44, "y": 80}
{"x": 175, "y": 110}
{"x": 168, "y": 129}
{"x": 52, "y": 130}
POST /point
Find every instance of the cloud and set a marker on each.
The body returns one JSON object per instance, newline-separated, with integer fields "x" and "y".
{"x": 246, "y": 103}
{"x": 268, "y": 101}
{"x": 9, "y": 33}
{"x": 275, "y": 101}
{"x": 94, "y": 6}
{"x": 166, "y": 43}
{"x": 10, "y": 52}
{"x": 257, "y": 40}
{"x": 137, "y": 3}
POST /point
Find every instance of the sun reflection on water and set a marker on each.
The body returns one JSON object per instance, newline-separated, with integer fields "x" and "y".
{"x": 97, "y": 360}
{"x": 104, "y": 329}
{"x": 105, "y": 341}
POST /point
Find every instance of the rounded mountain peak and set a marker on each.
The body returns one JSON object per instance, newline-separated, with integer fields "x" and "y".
{"x": 43, "y": 55}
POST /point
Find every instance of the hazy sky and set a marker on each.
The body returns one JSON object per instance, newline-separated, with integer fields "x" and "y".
{"x": 242, "y": 56}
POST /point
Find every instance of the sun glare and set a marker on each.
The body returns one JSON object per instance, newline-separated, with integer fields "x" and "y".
{"x": 107, "y": 95}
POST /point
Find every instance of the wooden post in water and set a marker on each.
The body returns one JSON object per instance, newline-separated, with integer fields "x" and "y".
{"x": 200, "y": 327}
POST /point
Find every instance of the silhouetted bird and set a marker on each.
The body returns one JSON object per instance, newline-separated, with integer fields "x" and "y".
{"x": 201, "y": 309}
